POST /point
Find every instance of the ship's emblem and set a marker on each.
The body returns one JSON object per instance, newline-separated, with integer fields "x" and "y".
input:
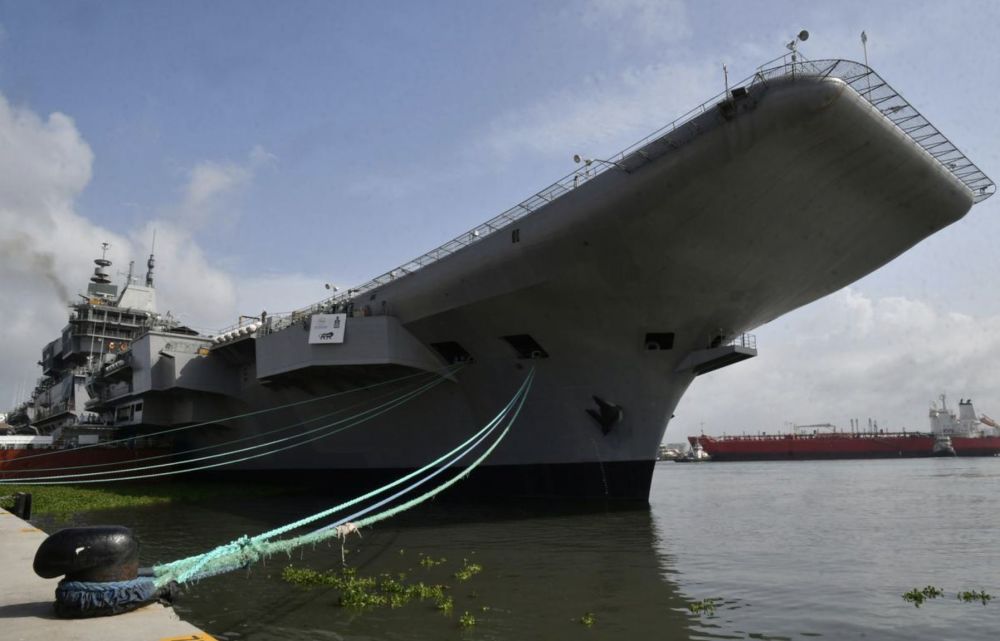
{"x": 607, "y": 414}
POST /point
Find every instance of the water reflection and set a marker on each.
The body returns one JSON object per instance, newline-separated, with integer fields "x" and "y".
{"x": 544, "y": 566}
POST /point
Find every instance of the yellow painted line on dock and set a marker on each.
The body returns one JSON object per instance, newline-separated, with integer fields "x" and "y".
{"x": 191, "y": 637}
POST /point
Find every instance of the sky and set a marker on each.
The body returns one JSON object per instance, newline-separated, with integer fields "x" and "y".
{"x": 276, "y": 147}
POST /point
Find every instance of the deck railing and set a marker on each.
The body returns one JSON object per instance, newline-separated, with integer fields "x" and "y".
{"x": 748, "y": 341}
{"x": 861, "y": 78}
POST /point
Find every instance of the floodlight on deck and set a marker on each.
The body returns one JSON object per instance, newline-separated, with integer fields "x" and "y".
{"x": 793, "y": 45}
{"x": 587, "y": 162}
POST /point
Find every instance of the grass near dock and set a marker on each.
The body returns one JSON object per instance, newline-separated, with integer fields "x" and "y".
{"x": 64, "y": 500}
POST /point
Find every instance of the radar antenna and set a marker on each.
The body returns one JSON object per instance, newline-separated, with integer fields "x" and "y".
{"x": 100, "y": 274}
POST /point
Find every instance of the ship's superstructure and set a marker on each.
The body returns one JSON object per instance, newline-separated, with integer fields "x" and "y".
{"x": 968, "y": 434}
{"x": 618, "y": 285}
{"x": 964, "y": 424}
{"x": 101, "y": 329}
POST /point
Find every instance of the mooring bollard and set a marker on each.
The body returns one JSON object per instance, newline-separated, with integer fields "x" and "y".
{"x": 101, "y": 564}
{"x": 22, "y": 506}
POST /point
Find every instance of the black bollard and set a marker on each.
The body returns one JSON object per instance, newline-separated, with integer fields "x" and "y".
{"x": 101, "y": 568}
{"x": 22, "y": 506}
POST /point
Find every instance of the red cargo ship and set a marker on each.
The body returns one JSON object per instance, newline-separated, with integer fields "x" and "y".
{"x": 31, "y": 456}
{"x": 764, "y": 447}
{"x": 18, "y": 463}
{"x": 964, "y": 435}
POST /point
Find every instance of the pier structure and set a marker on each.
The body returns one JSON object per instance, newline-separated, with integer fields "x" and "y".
{"x": 26, "y": 601}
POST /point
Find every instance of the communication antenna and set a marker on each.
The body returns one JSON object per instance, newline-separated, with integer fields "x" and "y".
{"x": 151, "y": 262}
{"x": 725, "y": 77}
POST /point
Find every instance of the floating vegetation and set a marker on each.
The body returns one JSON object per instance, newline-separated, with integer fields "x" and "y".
{"x": 468, "y": 570}
{"x": 588, "y": 619}
{"x": 361, "y": 592}
{"x": 446, "y": 605}
{"x": 705, "y": 606}
{"x": 467, "y": 620}
{"x": 429, "y": 562}
{"x": 918, "y": 596}
{"x": 970, "y": 596}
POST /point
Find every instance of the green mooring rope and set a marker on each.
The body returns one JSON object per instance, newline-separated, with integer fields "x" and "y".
{"x": 171, "y": 455}
{"x": 325, "y": 431}
{"x": 246, "y": 551}
{"x": 445, "y": 371}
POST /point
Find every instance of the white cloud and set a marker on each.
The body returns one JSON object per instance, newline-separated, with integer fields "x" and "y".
{"x": 188, "y": 284}
{"x": 631, "y": 22}
{"x": 44, "y": 163}
{"x": 47, "y": 248}
{"x": 850, "y": 356}
{"x": 211, "y": 185}
{"x": 604, "y": 114}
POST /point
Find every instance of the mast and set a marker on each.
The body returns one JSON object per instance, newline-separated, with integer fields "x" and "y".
{"x": 151, "y": 262}
{"x": 100, "y": 276}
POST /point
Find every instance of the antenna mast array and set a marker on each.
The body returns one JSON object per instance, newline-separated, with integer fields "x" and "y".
{"x": 151, "y": 262}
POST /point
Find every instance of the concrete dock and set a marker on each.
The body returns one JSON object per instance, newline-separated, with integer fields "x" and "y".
{"x": 26, "y": 601}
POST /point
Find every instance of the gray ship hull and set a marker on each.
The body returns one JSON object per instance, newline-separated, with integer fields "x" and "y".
{"x": 736, "y": 219}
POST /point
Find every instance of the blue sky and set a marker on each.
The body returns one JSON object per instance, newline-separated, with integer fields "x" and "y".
{"x": 278, "y": 146}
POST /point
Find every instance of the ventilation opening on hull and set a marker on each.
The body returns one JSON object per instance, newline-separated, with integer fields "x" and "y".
{"x": 452, "y": 352}
{"x": 659, "y": 340}
{"x": 526, "y": 346}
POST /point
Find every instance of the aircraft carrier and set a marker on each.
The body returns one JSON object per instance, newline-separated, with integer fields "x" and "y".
{"x": 619, "y": 284}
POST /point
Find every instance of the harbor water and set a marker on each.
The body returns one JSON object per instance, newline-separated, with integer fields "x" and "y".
{"x": 785, "y": 550}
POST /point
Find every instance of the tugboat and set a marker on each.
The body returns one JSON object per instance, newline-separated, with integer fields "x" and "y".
{"x": 942, "y": 446}
{"x": 696, "y": 454}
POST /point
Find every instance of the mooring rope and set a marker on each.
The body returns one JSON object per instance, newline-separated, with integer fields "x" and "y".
{"x": 352, "y": 421}
{"x": 357, "y": 419}
{"x": 195, "y": 570}
{"x": 119, "y": 470}
{"x": 445, "y": 371}
{"x": 246, "y": 551}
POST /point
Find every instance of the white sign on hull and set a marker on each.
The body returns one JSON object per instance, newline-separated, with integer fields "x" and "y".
{"x": 327, "y": 328}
